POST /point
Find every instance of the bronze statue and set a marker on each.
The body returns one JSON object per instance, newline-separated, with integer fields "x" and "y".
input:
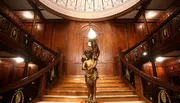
{"x": 89, "y": 65}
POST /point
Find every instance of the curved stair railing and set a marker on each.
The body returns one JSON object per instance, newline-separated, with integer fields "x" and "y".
{"x": 164, "y": 39}
{"x": 30, "y": 87}
{"x": 148, "y": 87}
{"x": 166, "y": 35}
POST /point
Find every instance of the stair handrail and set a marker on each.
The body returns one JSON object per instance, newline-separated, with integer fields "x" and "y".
{"x": 29, "y": 48}
{"x": 29, "y": 79}
{"x": 148, "y": 77}
{"x": 168, "y": 19}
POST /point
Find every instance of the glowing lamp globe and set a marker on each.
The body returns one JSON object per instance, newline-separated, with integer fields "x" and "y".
{"x": 92, "y": 34}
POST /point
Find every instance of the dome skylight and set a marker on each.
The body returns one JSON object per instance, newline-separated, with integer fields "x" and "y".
{"x": 89, "y": 9}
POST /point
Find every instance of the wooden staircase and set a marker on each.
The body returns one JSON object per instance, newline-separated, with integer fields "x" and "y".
{"x": 72, "y": 89}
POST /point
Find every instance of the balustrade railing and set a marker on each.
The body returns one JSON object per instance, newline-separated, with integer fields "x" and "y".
{"x": 151, "y": 88}
{"x": 28, "y": 88}
{"x": 26, "y": 40}
{"x": 166, "y": 31}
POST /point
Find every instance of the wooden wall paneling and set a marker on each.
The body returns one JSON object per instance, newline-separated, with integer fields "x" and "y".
{"x": 72, "y": 44}
{"x": 140, "y": 31}
{"x": 132, "y": 37}
{"x": 32, "y": 68}
{"x": 5, "y": 71}
{"x": 120, "y": 32}
{"x": 38, "y": 30}
{"x": 28, "y": 27}
{"x": 151, "y": 26}
{"x": 18, "y": 72}
{"x": 138, "y": 84}
{"x": 161, "y": 73}
{"x": 48, "y": 34}
{"x": 74, "y": 49}
{"x": 147, "y": 68}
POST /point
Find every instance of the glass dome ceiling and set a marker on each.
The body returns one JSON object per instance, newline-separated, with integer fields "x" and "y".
{"x": 89, "y": 9}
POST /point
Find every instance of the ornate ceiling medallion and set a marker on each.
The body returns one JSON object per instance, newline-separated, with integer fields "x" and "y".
{"x": 90, "y": 9}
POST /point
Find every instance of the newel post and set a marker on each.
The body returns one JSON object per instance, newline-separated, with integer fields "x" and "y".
{"x": 137, "y": 79}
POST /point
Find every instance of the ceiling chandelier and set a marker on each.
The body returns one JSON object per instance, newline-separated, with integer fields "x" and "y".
{"x": 89, "y": 9}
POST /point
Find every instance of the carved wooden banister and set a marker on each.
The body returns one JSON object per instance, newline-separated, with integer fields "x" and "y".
{"x": 30, "y": 78}
{"x": 18, "y": 39}
{"x": 167, "y": 20}
{"x": 147, "y": 77}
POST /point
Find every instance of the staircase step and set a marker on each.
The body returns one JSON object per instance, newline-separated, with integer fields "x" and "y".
{"x": 84, "y": 85}
{"x": 82, "y": 98}
{"x": 113, "y": 96}
{"x": 83, "y": 81}
{"x": 83, "y": 78}
{"x": 82, "y": 93}
{"x": 127, "y": 102}
{"x": 100, "y": 99}
{"x": 56, "y": 102}
{"x": 85, "y": 89}
{"x": 72, "y": 89}
{"x": 103, "y": 102}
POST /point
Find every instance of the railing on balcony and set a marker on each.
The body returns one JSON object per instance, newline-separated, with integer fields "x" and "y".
{"x": 25, "y": 40}
{"x": 167, "y": 31}
{"x": 151, "y": 88}
{"x": 31, "y": 86}
{"x": 164, "y": 38}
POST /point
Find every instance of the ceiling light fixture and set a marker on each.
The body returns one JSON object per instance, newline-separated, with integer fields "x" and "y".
{"x": 160, "y": 59}
{"x": 151, "y": 14}
{"x": 19, "y": 60}
{"x": 141, "y": 26}
{"x": 145, "y": 53}
{"x": 28, "y": 15}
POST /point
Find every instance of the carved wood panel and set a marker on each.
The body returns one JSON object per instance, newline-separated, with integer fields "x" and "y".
{"x": 72, "y": 40}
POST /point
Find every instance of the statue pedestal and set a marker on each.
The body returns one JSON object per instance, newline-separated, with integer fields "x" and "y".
{"x": 91, "y": 101}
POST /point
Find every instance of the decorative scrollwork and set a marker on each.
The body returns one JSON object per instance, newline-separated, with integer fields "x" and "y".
{"x": 163, "y": 97}
{"x": 18, "y": 96}
{"x": 89, "y": 5}
{"x": 14, "y": 33}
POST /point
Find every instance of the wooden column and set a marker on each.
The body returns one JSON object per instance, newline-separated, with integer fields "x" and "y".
{"x": 154, "y": 68}
{"x": 34, "y": 22}
{"x": 26, "y": 68}
{"x": 145, "y": 24}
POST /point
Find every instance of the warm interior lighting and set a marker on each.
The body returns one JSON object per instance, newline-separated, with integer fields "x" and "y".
{"x": 92, "y": 34}
{"x": 31, "y": 65}
{"x": 140, "y": 26}
{"x": 179, "y": 60}
{"x": 159, "y": 59}
{"x": 89, "y": 44}
{"x": 19, "y": 60}
{"x": 38, "y": 27}
{"x": 28, "y": 15}
{"x": 144, "y": 53}
{"x": 151, "y": 14}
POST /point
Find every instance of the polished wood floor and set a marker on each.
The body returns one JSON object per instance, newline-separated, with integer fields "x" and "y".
{"x": 72, "y": 89}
